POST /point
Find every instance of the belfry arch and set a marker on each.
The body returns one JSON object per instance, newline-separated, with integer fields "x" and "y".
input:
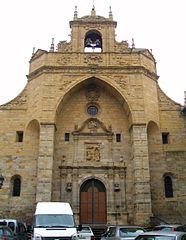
{"x": 93, "y": 41}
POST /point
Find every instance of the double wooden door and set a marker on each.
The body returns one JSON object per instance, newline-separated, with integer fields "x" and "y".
{"x": 92, "y": 202}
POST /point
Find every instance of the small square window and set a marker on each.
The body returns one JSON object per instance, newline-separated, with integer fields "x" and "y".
{"x": 19, "y": 136}
{"x": 118, "y": 137}
{"x": 165, "y": 138}
{"x": 67, "y": 137}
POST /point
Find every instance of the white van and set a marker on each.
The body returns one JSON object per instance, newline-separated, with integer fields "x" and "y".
{"x": 18, "y": 227}
{"x": 54, "y": 220}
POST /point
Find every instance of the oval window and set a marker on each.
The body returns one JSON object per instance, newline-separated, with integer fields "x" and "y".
{"x": 92, "y": 110}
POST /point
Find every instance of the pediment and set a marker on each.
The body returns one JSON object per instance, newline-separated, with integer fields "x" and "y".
{"x": 92, "y": 127}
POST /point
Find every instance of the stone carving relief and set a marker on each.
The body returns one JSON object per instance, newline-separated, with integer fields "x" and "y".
{"x": 116, "y": 187}
{"x": 65, "y": 83}
{"x": 92, "y": 126}
{"x": 92, "y": 152}
{"x": 69, "y": 187}
{"x": 93, "y": 59}
{"x": 123, "y": 82}
{"x": 95, "y": 26}
{"x": 122, "y": 46}
{"x": 92, "y": 93}
{"x": 121, "y": 60}
{"x": 64, "y": 46}
{"x": 133, "y": 90}
{"x": 64, "y": 59}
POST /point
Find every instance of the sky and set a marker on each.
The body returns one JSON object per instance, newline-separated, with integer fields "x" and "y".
{"x": 159, "y": 25}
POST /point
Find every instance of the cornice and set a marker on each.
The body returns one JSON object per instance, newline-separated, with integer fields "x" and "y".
{"x": 90, "y": 22}
{"x": 93, "y": 167}
{"x": 93, "y": 68}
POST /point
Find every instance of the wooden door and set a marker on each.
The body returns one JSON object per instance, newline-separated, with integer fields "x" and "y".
{"x": 93, "y": 202}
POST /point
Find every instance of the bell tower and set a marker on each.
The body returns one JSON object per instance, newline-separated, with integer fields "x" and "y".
{"x": 93, "y": 33}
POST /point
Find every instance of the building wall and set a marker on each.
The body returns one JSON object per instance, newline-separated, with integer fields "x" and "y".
{"x": 130, "y": 103}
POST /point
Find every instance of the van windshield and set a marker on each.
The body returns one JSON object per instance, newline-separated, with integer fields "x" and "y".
{"x": 54, "y": 220}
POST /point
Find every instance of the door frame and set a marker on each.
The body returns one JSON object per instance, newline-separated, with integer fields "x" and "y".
{"x": 90, "y": 183}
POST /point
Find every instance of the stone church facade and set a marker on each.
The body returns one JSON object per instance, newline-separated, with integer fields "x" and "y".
{"x": 92, "y": 127}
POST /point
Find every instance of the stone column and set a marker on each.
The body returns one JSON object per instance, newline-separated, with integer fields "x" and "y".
{"x": 110, "y": 197}
{"x": 75, "y": 194}
{"x": 45, "y": 162}
{"x": 142, "y": 193}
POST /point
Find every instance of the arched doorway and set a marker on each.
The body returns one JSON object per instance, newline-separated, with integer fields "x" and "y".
{"x": 93, "y": 202}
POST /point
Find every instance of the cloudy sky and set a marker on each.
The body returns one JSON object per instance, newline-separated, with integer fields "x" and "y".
{"x": 154, "y": 24}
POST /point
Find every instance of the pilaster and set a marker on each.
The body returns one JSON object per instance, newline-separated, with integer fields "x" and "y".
{"x": 142, "y": 194}
{"x": 45, "y": 162}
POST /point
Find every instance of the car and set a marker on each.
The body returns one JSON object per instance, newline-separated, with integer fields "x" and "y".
{"x": 85, "y": 233}
{"x": 122, "y": 232}
{"x": 17, "y": 227}
{"x": 104, "y": 235}
{"x": 6, "y": 233}
{"x": 149, "y": 228}
{"x": 170, "y": 227}
{"x": 159, "y": 235}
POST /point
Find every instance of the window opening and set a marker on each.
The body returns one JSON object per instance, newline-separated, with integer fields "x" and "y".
{"x": 118, "y": 137}
{"x": 16, "y": 187}
{"x": 165, "y": 138}
{"x": 19, "y": 136}
{"x": 92, "y": 110}
{"x": 67, "y": 137}
{"x": 168, "y": 187}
